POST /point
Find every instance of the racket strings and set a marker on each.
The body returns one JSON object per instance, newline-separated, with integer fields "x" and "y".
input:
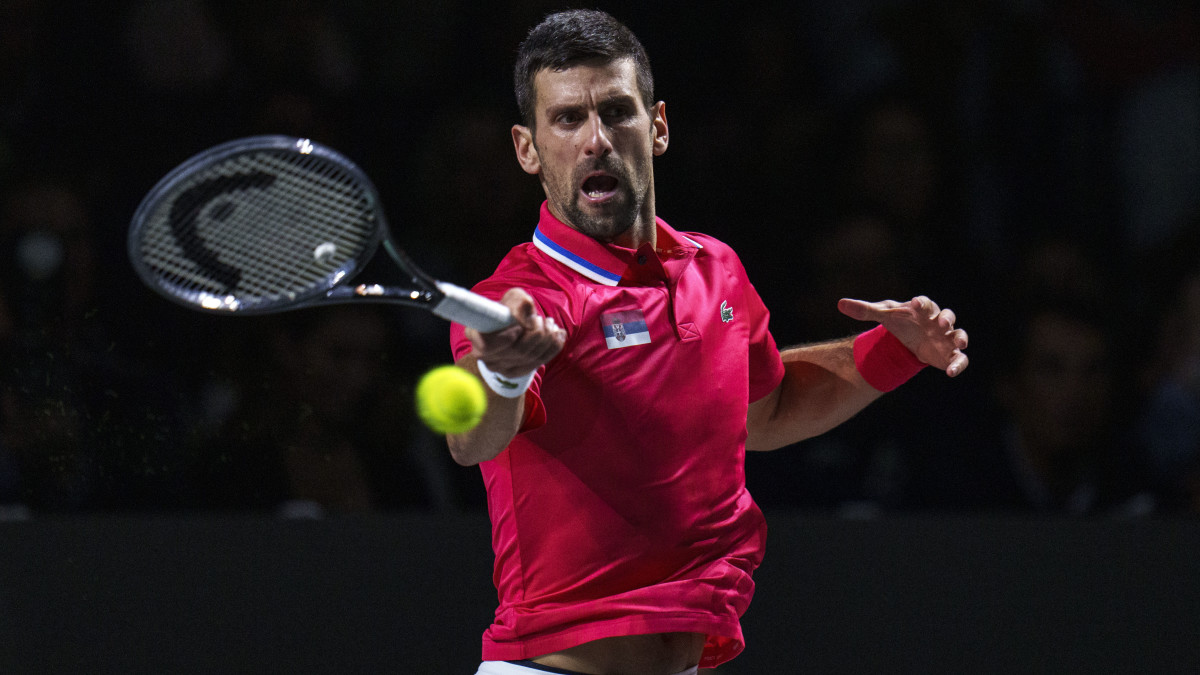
{"x": 261, "y": 227}
{"x": 273, "y": 255}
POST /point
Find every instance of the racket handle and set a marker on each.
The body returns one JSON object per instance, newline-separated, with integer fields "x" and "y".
{"x": 471, "y": 309}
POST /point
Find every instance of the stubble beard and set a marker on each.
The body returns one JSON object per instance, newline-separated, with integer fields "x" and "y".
{"x": 621, "y": 212}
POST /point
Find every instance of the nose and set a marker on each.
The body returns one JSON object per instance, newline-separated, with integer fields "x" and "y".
{"x": 597, "y": 142}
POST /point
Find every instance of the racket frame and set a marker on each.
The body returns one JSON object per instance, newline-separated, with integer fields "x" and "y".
{"x": 441, "y": 298}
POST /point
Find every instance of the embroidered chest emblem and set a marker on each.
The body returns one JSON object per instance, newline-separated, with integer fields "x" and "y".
{"x": 625, "y": 329}
{"x": 726, "y": 312}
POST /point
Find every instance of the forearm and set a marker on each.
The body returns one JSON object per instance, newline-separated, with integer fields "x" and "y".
{"x": 494, "y": 432}
{"x": 828, "y": 383}
{"x": 821, "y": 388}
{"x": 512, "y": 352}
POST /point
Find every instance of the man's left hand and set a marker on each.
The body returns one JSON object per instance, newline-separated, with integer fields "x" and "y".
{"x": 927, "y": 330}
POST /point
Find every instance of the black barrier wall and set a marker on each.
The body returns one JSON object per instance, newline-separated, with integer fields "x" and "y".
{"x": 411, "y": 594}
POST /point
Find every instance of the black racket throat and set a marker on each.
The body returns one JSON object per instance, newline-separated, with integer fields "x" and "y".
{"x": 413, "y": 297}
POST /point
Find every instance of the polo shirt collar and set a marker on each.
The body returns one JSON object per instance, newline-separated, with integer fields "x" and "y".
{"x": 606, "y": 264}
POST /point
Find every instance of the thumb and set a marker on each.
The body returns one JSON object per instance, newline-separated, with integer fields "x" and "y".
{"x": 858, "y": 310}
{"x": 521, "y": 305}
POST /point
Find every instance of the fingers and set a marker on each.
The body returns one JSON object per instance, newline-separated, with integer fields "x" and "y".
{"x": 960, "y": 338}
{"x": 549, "y": 343}
{"x": 946, "y": 318}
{"x": 956, "y": 337}
{"x": 861, "y": 310}
{"x": 957, "y": 364}
{"x": 545, "y": 335}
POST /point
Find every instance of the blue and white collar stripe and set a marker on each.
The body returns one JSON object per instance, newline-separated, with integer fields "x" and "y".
{"x": 587, "y": 269}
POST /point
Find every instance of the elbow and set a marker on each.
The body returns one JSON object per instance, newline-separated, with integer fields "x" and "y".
{"x": 463, "y": 459}
{"x": 461, "y": 452}
{"x": 466, "y": 453}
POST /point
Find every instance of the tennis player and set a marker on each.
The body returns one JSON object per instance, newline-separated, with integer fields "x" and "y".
{"x": 640, "y": 370}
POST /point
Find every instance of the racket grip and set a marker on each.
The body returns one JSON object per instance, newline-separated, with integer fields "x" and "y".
{"x": 471, "y": 309}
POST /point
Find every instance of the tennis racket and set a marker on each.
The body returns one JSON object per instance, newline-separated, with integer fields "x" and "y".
{"x": 273, "y": 223}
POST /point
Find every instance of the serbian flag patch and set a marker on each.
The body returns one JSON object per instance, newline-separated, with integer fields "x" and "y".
{"x": 625, "y": 329}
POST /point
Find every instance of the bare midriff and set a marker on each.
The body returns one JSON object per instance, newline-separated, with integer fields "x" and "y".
{"x": 655, "y": 654}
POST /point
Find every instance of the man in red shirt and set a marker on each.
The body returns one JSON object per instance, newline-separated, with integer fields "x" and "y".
{"x": 639, "y": 371}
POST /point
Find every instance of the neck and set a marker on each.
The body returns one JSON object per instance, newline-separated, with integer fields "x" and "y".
{"x": 643, "y": 231}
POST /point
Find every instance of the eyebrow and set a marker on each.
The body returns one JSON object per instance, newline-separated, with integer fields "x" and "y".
{"x": 622, "y": 97}
{"x": 610, "y": 99}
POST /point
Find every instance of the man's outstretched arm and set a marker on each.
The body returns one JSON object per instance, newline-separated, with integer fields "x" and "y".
{"x": 827, "y": 383}
{"x": 512, "y": 352}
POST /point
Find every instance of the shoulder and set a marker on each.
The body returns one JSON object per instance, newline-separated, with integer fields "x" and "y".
{"x": 714, "y": 254}
{"x": 527, "y": 268}
{"x": 710, "y": 246}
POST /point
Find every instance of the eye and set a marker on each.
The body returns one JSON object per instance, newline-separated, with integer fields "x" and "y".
{"x": 568, "y": 118}
{"x": 617, "y": 112}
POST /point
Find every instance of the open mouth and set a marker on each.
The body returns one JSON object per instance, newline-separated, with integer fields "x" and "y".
{"x": 599, "y": 187}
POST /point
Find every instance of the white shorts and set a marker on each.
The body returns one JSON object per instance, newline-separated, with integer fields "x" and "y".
{"x": 506, "y": 668}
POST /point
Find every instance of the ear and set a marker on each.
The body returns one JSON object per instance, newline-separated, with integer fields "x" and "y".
{"x": 527, "y": 155}
{"x": 660, "y": 128}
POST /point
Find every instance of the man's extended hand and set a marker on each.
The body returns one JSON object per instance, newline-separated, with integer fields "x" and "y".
{"x": 927, "y": 330}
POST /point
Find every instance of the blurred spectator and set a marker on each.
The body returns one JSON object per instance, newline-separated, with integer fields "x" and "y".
{"x": 176, "y": 46}
{"x": 92, "y": 425}
{"x": 890, "y": 161}
{"x": 1168, "y": 422}
{"x": 1064, "y": 439}
{"x": 49, "y": 347}
{"x": 860, "y": 464}
{"x": 1059, "y": 267}
{"x": 1169, "y": 425}
{"x": 301, "y": 71}
{"x": 860, "y": 255}
{"x": 1061, "y": 442}
{"x": 321, "y": 420}
{"x": 51, "y": 263}
{"x": 1139, "y": 64}
{"x": 467, "y": 160}
{"x": 62, "y": 407}
{"x": 170, "y": 93}
{"x": 1049, "y": 430}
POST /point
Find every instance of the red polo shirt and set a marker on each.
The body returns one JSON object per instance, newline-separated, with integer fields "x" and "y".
{"x": 621, "y": 506}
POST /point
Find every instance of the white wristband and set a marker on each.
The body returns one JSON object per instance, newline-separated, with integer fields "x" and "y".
{"x": 506, "y": 387}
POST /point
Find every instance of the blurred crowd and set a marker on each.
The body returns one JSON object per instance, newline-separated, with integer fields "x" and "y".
{"x": 1033, "y": 164}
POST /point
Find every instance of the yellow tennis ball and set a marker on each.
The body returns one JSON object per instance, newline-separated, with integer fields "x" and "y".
{"x": 450, "y": 400}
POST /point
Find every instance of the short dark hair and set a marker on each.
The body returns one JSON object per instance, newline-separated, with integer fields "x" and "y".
{"x": 572, "y": 37}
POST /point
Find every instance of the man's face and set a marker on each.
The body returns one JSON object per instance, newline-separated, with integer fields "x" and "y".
{"x": 593, "y": 147}
{"x": 1064, "y": 384}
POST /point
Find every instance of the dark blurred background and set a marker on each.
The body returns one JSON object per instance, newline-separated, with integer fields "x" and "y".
{"x": 1031, "y": 164}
